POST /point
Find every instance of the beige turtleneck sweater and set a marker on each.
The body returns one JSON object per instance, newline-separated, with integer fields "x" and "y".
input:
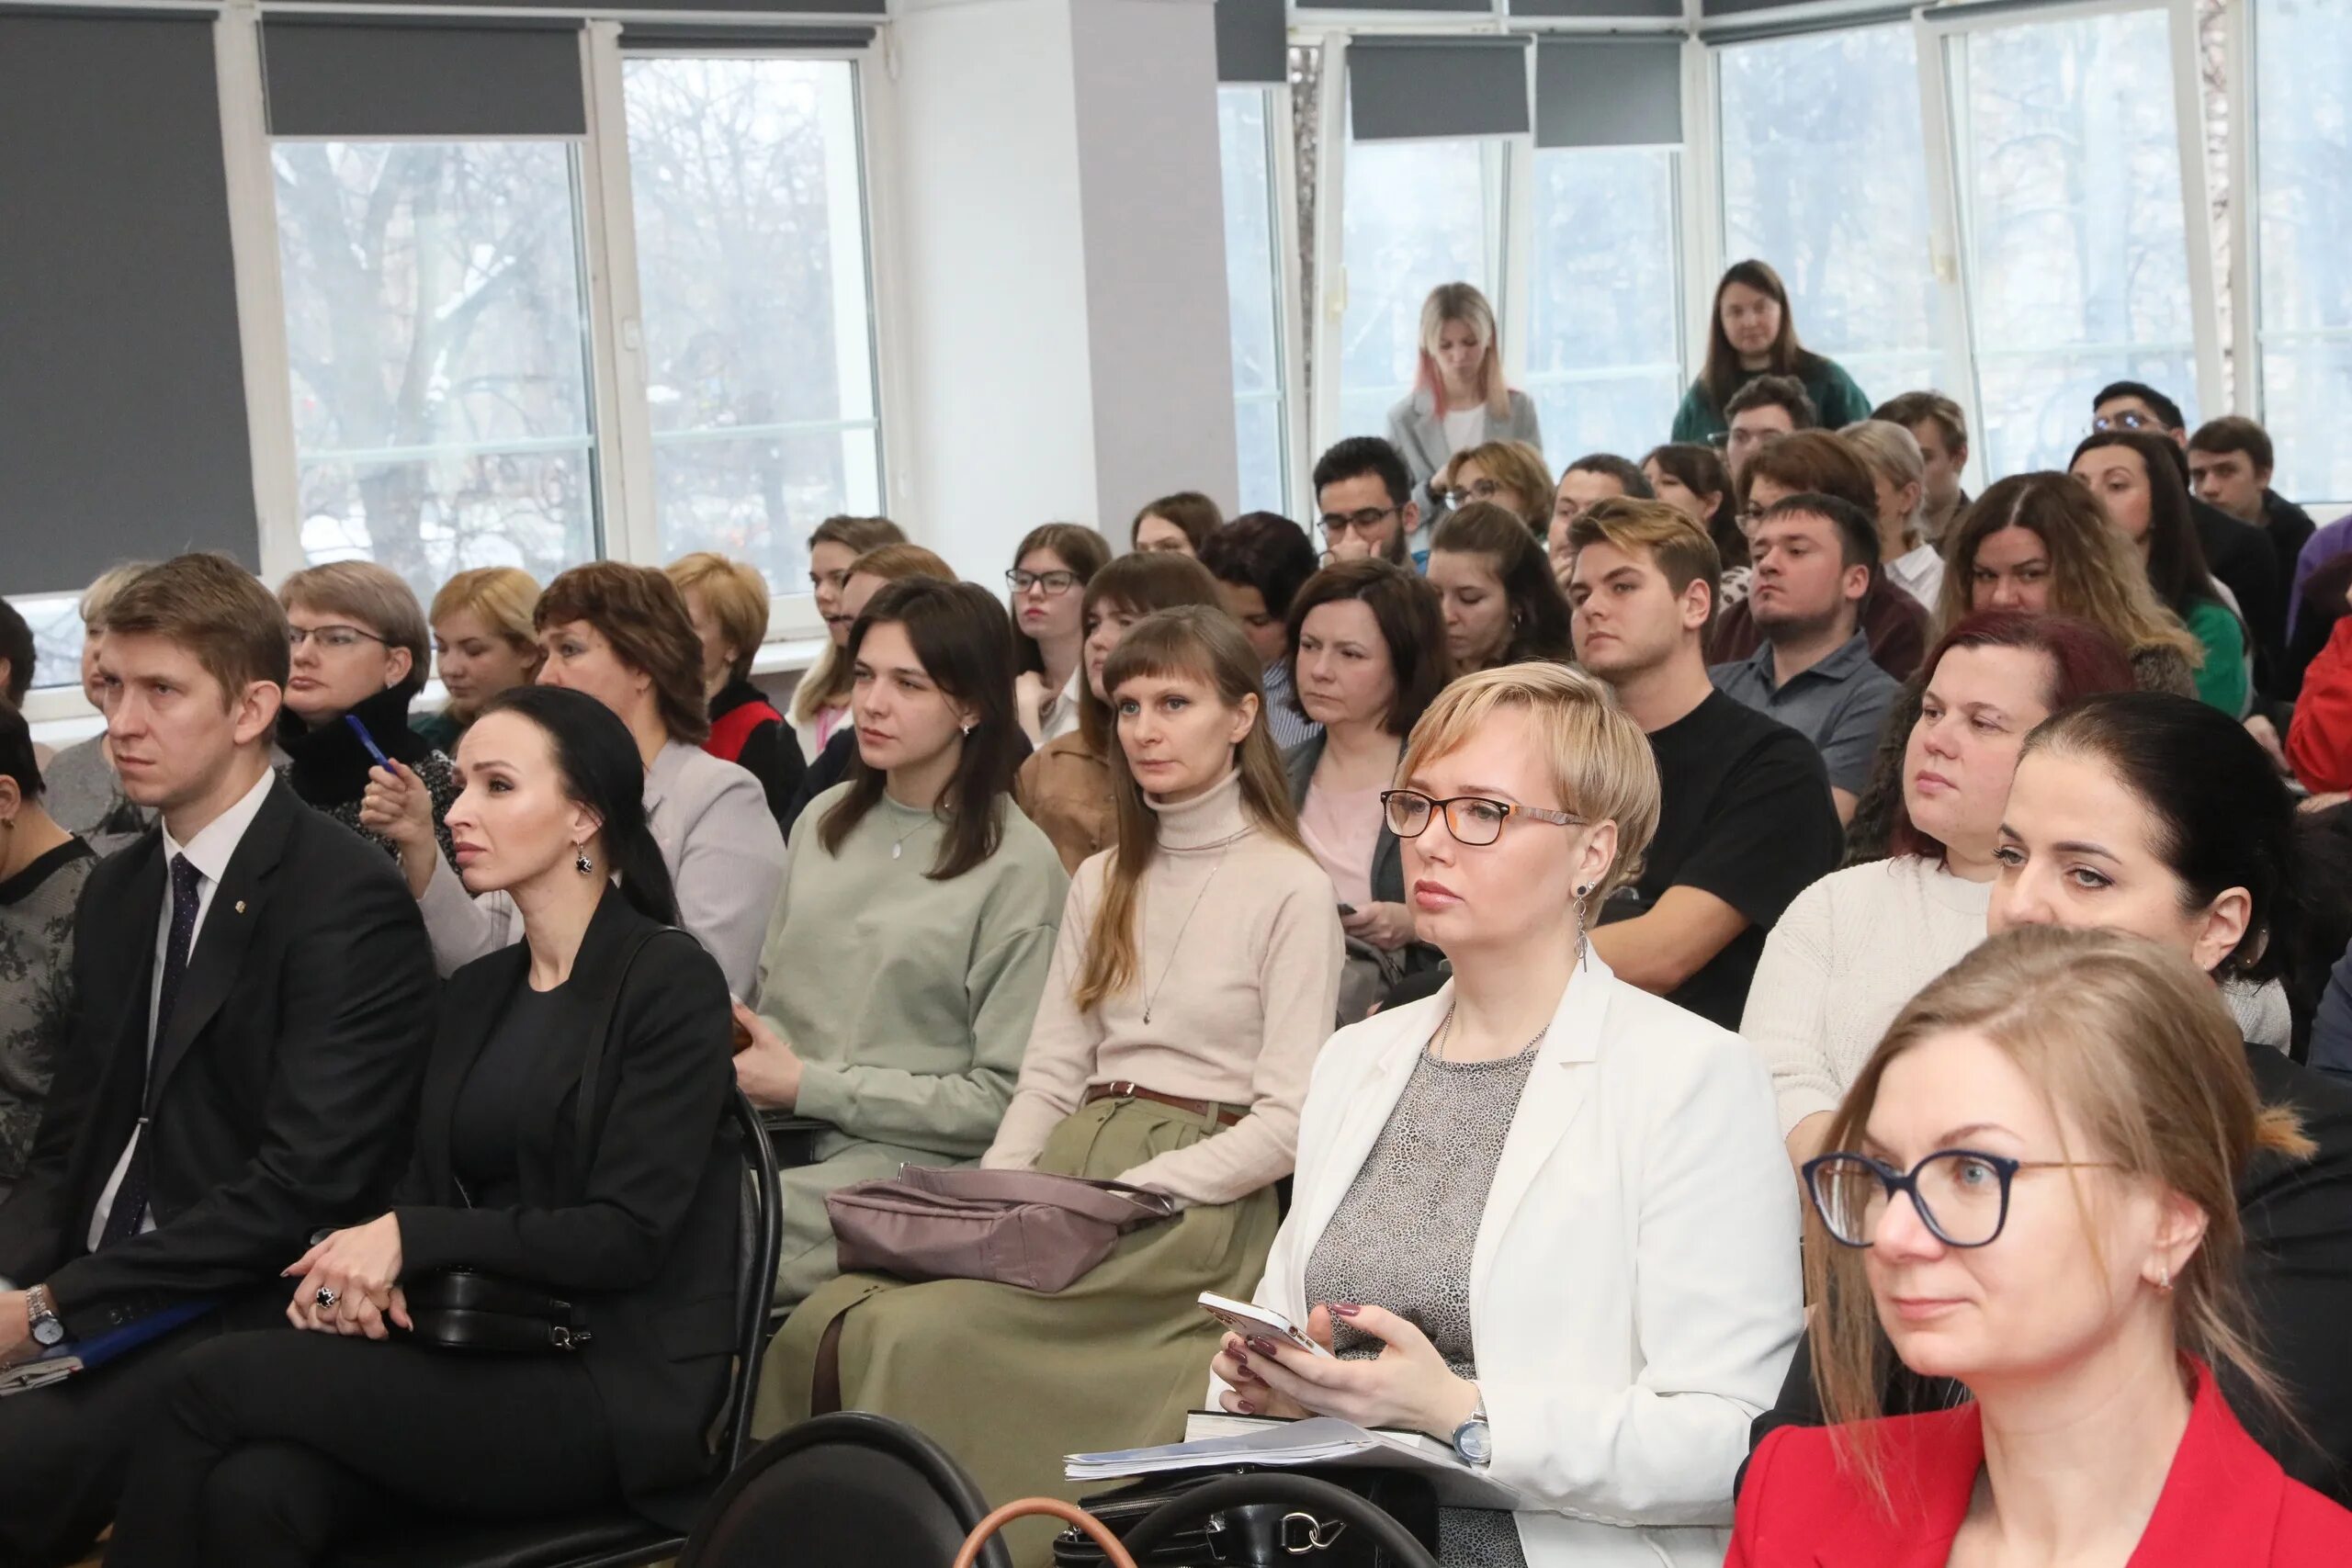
{"x": 1240, "y": 951}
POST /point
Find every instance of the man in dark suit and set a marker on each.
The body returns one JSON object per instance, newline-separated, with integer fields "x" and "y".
{"x": 255, "y": 1003}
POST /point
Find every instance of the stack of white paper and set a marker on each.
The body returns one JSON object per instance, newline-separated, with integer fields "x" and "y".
{"x": 1321, "y": 1440}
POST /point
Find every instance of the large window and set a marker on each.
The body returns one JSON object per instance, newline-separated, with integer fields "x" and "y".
{"x": 438, "y": 347}
{"x": 2304, "y": 216}
{"x": 1603, "y": 349}
{"x": 1416, "y": 215}
{"x": 1824, "y": 176}
{"x": 752, "y": 278}
{"x": 1253, "y": 276}
{"x": 2075, "y": 252}
{"x": 55, "y": 622}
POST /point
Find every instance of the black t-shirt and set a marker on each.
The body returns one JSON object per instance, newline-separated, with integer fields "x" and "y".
{"x": 1745, "y": 815}
{"x": 486, "y": 1128}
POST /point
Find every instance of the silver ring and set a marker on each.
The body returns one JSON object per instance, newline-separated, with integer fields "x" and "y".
{"x": 326, "y": 1295}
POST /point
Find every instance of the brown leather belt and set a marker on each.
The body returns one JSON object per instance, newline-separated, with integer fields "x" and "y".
{"x": 1201, "y": 1107}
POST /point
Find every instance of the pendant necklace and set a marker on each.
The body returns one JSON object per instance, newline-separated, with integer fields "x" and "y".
{"x": 899, "y": 848}
{"x": 1181, "y": 929}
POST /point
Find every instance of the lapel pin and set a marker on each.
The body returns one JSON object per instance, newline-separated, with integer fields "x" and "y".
{"x": 241, "y": 905}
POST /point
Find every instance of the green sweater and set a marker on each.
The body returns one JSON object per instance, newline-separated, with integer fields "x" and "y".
{"x": 2220, "y": 679}
{"x": 1836, "y": 397}
{"x": 910, "y": 1000}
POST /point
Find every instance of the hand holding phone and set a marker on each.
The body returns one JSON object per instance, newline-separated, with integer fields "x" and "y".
{"x": 1253, "y": 1322}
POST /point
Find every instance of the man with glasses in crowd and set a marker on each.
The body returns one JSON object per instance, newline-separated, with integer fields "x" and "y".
{"x": 1763, "y": 412}
{"x": 1365, "y": 497}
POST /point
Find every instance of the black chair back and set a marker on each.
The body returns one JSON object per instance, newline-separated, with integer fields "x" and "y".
{"x": 849, "y": 1490}
{"x": 760, "y": 1228}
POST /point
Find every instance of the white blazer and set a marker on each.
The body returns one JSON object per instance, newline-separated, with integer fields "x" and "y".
{"x": 1635, "y": 1293}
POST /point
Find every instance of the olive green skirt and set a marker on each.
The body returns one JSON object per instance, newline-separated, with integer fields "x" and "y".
{"x": 1009, "y": 1380}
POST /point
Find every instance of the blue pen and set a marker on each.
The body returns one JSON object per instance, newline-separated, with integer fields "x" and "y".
{"x": 369, "y": 741}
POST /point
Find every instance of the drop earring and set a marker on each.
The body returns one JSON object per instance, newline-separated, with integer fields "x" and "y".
{"x": 2164, "y": 1279}
{"x": 580, "y": 860}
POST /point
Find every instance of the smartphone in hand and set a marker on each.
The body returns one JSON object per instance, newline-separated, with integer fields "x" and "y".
{"x": 1253, "y": 1322}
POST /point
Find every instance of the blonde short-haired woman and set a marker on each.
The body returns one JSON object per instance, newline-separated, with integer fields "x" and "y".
{"x": 1541, "y": 1215}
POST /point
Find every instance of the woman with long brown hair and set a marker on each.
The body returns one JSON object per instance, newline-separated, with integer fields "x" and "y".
{"x": 1192, "y": 983}
{"x": 1751, "y": 333}
{"x": 1501, "y": 603}
{"x": 2032, "y": 1192}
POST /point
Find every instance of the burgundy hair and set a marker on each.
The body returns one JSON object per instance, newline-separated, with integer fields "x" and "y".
{"x": 2085, "y": 659}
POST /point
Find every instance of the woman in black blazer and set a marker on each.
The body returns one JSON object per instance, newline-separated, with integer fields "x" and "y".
{"x": 269, "y": 1449}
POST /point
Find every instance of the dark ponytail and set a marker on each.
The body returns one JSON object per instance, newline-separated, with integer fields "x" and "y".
{"x": 603, "y": 771}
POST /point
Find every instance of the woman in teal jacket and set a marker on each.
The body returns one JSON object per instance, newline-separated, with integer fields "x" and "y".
{"x": 1753, "y": 334}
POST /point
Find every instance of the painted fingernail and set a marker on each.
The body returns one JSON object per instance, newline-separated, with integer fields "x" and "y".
{"x": 1244, "y": 1408}
{"x": 1241, "y": 1364}
{"x": 1345, "y": 1309}
{"x": 1264, "y": 1347}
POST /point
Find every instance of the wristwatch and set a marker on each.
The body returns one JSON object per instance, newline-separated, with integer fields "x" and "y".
{"x": 48, "y": 1327}
{"x": 1474, "y": 1444}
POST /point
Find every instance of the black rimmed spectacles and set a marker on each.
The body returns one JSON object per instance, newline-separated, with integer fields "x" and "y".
{"x": 1055, "y": 583}
{"x": 1961, "y": 1195}
{"x": 1473, "y": 819}
{"x": 1338, "y": 523}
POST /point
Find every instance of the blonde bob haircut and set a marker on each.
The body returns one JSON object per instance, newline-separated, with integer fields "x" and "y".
{"x": 377, "y": 598}
{"x": 1600, "y": 760}
{"x": 94, "y": 599}
{"x": 737, "y": 597}
{"x": 502, "y": 597}
{"x": 1517, "y": 464}
{"x": 2135, "y": 1048}
{"x": 1202, "y": 642}
{"x": 1891, "y": 451}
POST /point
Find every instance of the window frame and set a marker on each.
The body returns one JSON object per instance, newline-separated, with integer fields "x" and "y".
{"x": 1287, "y": 280}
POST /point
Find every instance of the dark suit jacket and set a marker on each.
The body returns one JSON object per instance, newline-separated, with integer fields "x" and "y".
{"x": 2240, "y": 554}
{"x": 641, "y": 1234}
{"x": 279, "y": 1095}
{"x": 2298, "y": 1219}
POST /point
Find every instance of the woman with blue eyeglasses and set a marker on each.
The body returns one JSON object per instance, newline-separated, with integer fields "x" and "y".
{"x": 2032, "y": 1193}
{"x": 1542, "y": 1215}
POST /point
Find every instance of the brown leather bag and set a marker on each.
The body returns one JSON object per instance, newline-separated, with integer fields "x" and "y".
{"x": 1017, "y": 1227}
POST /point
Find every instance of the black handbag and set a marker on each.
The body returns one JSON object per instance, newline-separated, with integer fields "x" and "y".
{"x": 1289, "y": 1525}
{"x": 466, "y": 1309}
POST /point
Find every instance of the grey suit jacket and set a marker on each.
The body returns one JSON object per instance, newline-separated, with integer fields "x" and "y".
{"x": 1418, "y": 435}
{"x": 721, "y": 844}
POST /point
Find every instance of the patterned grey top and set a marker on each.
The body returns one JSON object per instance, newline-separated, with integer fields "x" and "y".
{"x": 35, "y": 990}
{"x": 1402, "y": 1237}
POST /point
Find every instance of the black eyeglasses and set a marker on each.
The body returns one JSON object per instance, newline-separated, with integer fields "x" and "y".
{"x": 1055, "y": 583}
{"x": 1961, "y": 1195}
{"x": 1476, "y": 490}
{"x": 1473, "y": 819}
{"x": 337, "y": 637}
{"x": 1338, "y": 523}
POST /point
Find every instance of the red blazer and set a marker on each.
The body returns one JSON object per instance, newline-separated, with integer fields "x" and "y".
{"x": 2226, "y": 1501}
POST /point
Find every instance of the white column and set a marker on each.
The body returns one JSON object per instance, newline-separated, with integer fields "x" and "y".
{"x": 1062, "y": 310}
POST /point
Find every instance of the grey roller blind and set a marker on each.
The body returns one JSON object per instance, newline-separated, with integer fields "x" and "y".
{"x": 1609, "y": 92}
{"x": 1406, "y": 88}
{"x": 388, "y": 77}
{"x": 1482, "y": 7}
{"x": 1252, "y": 42}
{"x": 122, "y": 400}
{"x": 1601, "y": 10}
{"x": 738, "y": 37}
{"x": 742, "y": 7}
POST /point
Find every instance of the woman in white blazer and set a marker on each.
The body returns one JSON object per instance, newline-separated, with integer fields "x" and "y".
{"x": 620, "y": 633}
{"x": 1551, "y": 1208}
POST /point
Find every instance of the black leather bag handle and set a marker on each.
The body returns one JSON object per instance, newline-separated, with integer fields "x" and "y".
{"x": 1288, "y": 1488}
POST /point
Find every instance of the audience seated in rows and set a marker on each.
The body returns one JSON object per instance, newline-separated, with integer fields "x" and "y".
{"x": 1691, "y": 478}
{"x": 42, "y": 868}
{"x": 1498, "y": 599}
{"x": 1459, "y": 400}
{"x": 727, "y": 605}
{"x": 1364, "y": 494}
{"x": 1539, "y": 1213}
{"x": 2140, "y": 482}
{"x": 255, "y": 1004}
{"x": 1746, "y": 821}
{"x": 1595, "y": 477}
{"x": 483, "y": 643}
{"x": 1052, "y": 563}
{"x": 1068, "y": 786}
{"x": 1941, "y": 427}
{"x": 620, "y": 634}
{"x": 1899, "y": 473}
{"x": 1855, "y": 946}
{"x": 271, "y": 1447}
{"x": 906, "y": 953}
{"x": 360, "y": 660}
{"x": 2155, "y": 816}
{"x": 1180, "y": 523}
{"x": 1752, "y": 331}
{"x": 81, "y": 789}
{"x": 1192, "y": 1089}
{"x": 2035, "y": 542}
{"x": 2071, "y": 1122}
{"x": 820, "y": 702}
{"x": 1509, "y": 474}
{"x": 1260, "y": 559}
{"x": 1816, "y": 558}
{"x": 1367, "y": 646}
{"x": 1817, "y": 462}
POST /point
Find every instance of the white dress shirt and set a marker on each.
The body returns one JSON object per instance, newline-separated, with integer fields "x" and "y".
{"x": 1919, "y": 571}
{"x": 210, "y": 852}
{"x": 1061, "y": 716}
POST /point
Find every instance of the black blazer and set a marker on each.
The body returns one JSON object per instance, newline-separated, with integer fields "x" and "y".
{"x": 2298, "y": 1219}
{"x": 643, "y": 1239}
{"x": 279, "y": 1095}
